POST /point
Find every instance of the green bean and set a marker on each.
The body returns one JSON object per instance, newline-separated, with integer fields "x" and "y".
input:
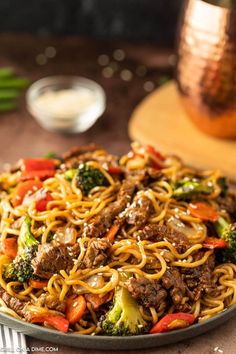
{"x": 6, "y": 94}
{"x": 16, "y": 83}
{"x": 6, "y": 73}
{"x": 7, "y": 106}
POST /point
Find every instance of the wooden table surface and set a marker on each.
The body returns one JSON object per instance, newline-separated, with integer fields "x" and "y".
{"x": 21, "y": 136}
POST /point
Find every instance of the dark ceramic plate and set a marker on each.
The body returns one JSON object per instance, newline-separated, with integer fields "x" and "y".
{"x": 118, "y": 343}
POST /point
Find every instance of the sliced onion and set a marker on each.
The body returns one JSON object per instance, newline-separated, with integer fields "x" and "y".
{"x": 66, "y": 236}
{"x": 95, "y": 281}
{"x": 136, "y": 163}
{"x": 193, "y": 233}
{"x": 35, "y": 197}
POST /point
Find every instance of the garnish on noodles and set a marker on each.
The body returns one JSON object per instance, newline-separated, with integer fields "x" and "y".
{"x": 97, "y": 244}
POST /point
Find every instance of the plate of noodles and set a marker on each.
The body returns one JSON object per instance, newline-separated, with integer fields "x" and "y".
{"x": 99, "y": 250}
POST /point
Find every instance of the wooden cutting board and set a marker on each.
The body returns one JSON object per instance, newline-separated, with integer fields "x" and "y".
{"x": 161, "y": 121}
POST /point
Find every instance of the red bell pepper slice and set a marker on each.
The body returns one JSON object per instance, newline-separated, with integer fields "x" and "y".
{"x": 173, "y": 321}
{"x": 152, "y": 151}
{"x": 154, "y": 154}
{"x": 116, "y": 170}
{"x": 213, "y": 242}
{"x": 23, "y": 188}
{"x": 203, "y": 211}
{"x": 38, "y": 164}
{"x": 56, "y": 321}
{"x": 40, "y": 174}
{"x": 38, "y": 168}
{"x": 41, "y": 204}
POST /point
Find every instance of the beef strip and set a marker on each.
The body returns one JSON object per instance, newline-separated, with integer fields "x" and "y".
{"x": 100, "y": 223}
{"x": 199, "y": 279}
{"x": 50, "y": 259}
{"x": 228, "y": 203}
{"x": 156, "y": 233}
{"x": 149, "y": 293}
{"x": 172, "y": 280}
{"x": 96, "y": 253}
{"x": 51, "y": 302}
{"x": 139, "y": 212}
{"x": 78, "y": 155}
{"x": 144, "y": 176}
{"x": 13, "y": 303}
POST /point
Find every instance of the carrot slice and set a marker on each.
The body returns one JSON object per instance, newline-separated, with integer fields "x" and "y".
{"x": 38, "y": 284}
{"x": 75, "y": 308}
{"x": 203, "y": 211}
{"x": 214, "y": 242}
{"x": 112, "y": 233}
{"x": 56, "y": 321}
{"x": 10, "y": 247}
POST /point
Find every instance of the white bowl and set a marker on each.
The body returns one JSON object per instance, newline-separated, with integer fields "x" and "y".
{"x": 77, "y": 122}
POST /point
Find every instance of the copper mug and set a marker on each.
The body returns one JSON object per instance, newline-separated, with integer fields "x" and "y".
{"x": 206, "y": 67}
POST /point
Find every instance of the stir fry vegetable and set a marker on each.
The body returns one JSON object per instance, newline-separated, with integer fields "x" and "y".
{"x": 88, "y": 177}
{"x": 227, "y": 232}
{"x": 20, "y": 269}
{"x": 124, "y": 318}
{"x": 186, "y": 189}
{"x": 173, "y": 321}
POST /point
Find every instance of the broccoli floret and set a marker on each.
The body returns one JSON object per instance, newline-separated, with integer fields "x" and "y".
{"x": 227, "y": 232}
{"x": 88, "y": 177}
{"x": 69, "y": 174}
{"x": 10, "y": 272}
{"x": 124, "y": 319}
{"x": 222, "y": 183}
{"x": 20, "y": 269}
{"x": 186, "y": 189}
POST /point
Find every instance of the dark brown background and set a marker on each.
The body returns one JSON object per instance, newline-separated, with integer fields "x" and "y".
{"x": 21, "y": 136}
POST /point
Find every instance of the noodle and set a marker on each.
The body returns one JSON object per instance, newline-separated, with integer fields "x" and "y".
{"x": 69, "y": 212}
